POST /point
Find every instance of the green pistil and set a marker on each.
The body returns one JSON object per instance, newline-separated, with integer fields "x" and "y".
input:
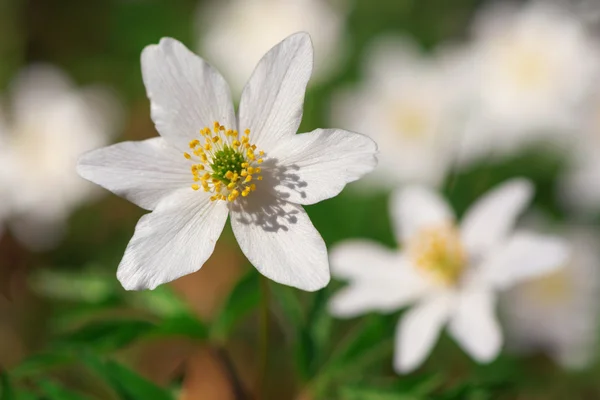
{"x": 225, "y": 160}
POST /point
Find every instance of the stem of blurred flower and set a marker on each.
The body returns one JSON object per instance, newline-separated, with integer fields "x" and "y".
{"x": 236, "y": 384}
{"x": 264, "y": 352}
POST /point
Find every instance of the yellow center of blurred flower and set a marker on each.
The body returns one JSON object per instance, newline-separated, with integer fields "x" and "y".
{"x": 552, "y": 289}
{"x": 528, "y": 68}
{"x": 224, "y": 163}
{"x": 411, "y": 121}
{"x": 439, "y": 252}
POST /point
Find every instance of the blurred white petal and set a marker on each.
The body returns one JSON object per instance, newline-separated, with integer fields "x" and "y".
{"x": 418, "y": 331}
{"x": 406, "y": 103}
{"x": 46, "y": 126}
{"x": 415, "y": 208}
{"x": 558, "y": 313}
{"x": 380, "y": 279}
{"x": 234, "y": 34}
{"x": 524, "y": 256}
{"x": 475, "y": 326}
{"x": 494, "y": 215}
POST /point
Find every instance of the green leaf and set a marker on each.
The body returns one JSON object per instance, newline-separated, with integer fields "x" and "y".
{"x": 106, "y": 335}
{"x": 182, "y": 325}
{"x": 357, "y": 392}
{"x": 6, "y": 389}
{"x": 162, "y": 301}
{"x": 372, "y": 335}
{"x": 125, "y": 382}
{"x": 23, "y": 395}
{"x": 40, "y": 363}
{"x": 55, "y": 391}
{"x": 87, "y": 286}
{"x": 403, "y": 388}
{"x": 320, "y": 324}
{"x": 313, "y": 337}
{"x": 244, "y": 297}
{"x": 289, "y": 304}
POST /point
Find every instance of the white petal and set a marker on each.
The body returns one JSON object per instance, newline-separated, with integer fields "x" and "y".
{"x": 272, "y": 101}
{"x": 357, "y": 259}
{"x": 34, "y": 89}
{"x": 474, "y": 326}
{"x": 418, "y": 330}
{"x": 186, "y": 93}
{"x": 525, "y": 256}
{"x": 417, "y": 207}
{"x": 489, "y": 220}
{"x": 172, "y": 241}
{"x": 380, "y": 279}
{"x": 142, "y": 172}
{"x": 317, "y": 165}
{"x": 280, "y": 241}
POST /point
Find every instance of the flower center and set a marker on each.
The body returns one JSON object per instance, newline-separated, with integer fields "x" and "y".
{"x": 439, "y": 252}
{"x": 553, "y": 289}
{"x": 411, "y": 121}
{"x": 224, "y": 163}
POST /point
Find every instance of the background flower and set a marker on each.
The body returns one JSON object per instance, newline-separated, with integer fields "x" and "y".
{"x": 48, "y": 123}
{"x": 408, "y": 104}
{"x": 531, "y": 68}
{"x": 451, "y": 274}
{"x": 234, "y": 34}
{"x": 558, "y": 314}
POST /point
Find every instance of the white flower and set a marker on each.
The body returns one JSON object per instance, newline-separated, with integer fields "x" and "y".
{"x": 579, "y": 185}
{"x": 47, "y": 124}
{"x": 532, "y": 69}
{"x": 197, "y": 173}
{"x": 452, "y": 273}
{"x": 408, "y": 105}
{"x": 559, "y": 313}
{"x": 236, "y": 33}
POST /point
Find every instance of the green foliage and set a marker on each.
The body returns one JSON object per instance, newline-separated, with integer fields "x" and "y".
{"x": 106, "y": 335}
{"x": 6, "y": 389}
{"x": 127, "y": 384}
{"x": 41, "y": 363}
{"x": 54, "y": 391}
{"x": 244, "y": 298}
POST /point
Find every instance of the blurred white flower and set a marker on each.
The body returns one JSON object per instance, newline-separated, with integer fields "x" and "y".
{"x": 235, "y": 34}
{"x": 194, "y": 176}
{"x": 579, "y": 186}
{"x": 559, "y": 313}
{"x": 47, "y": 124}
{"x": 408, "y": 104}
{"x": 451, "y": 272}
{"x": 532, "y": 69}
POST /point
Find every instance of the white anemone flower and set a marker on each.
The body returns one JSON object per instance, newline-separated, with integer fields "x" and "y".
{"x": 451, "y": 273}
{"x": 579, "y": 188}
{"x": 408, "y": 104}
{"x": 201, "y": 169}
{"x": 532, "y": 69}
{"x": 559, "y": 313}
{"x": 236, "y": 33}
{"x": 46, "y": 125}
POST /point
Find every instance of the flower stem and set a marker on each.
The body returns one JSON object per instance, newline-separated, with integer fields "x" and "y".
{"x": 236, "y": 384}
{"x": 264, "y": 353}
